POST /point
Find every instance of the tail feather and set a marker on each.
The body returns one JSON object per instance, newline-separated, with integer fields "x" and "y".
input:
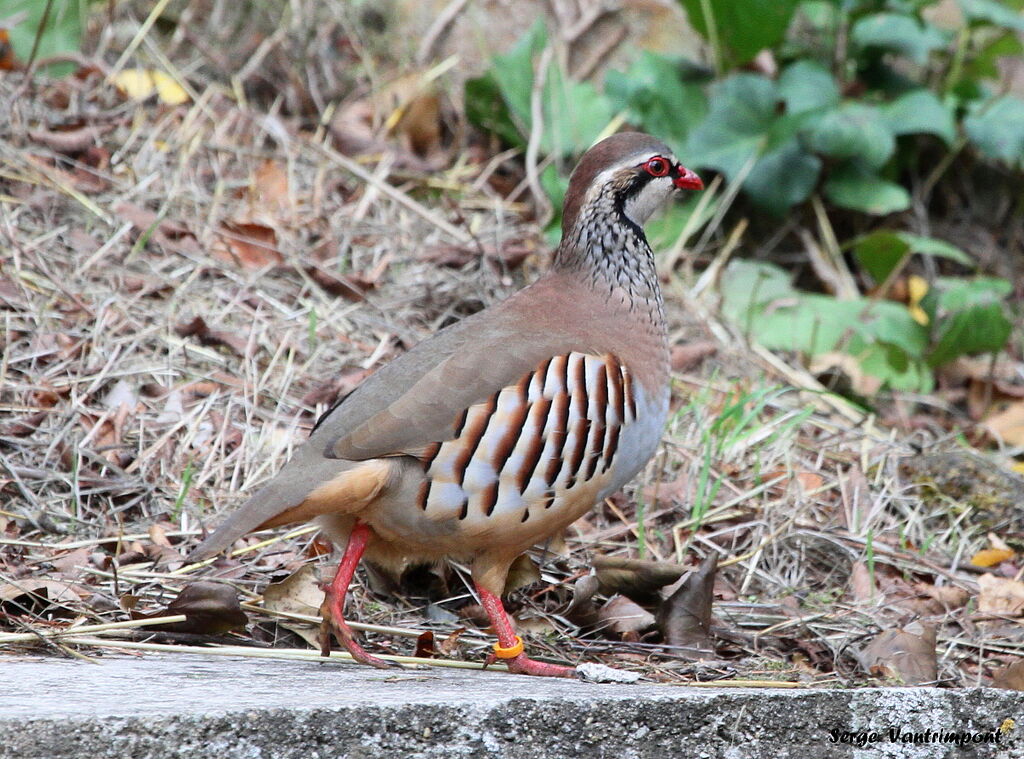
{"x": 301, "y": 491}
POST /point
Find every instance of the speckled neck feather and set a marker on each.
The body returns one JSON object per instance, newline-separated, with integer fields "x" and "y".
{"x": 613, "y": 254}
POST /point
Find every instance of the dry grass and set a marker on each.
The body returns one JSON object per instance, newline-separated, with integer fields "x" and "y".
{"x": 120, "y": 411}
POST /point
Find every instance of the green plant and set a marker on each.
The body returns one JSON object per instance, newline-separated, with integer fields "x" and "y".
{"x": 61, "y": 33}
{"x": 864, "y": 89}
{"x": 964, "y": 317}
{"x": 828, "y": 121}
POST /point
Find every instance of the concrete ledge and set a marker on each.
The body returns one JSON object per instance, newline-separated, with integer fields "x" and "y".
{"x": 186, "y": 706}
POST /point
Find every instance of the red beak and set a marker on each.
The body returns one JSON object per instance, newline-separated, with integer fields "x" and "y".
{"x": 687, "y": 180}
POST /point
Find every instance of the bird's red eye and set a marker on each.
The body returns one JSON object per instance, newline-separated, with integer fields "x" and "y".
{"x": 657, "y": 167}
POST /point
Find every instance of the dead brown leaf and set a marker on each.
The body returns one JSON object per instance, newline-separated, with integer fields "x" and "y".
{"x": 1007, "y": 426}
{"x": 689, "y": 355}
{"x": 1010, "y": 677}
{"x": 210, "y": 608}
{"x": 524, "y": 571}
{"x": 582, "y": 610}
{"x": 907, "y": 655}
{"x": 636, "y": 578}
{"x": 247, "y": 245}
{"x": 68, "y": 141}
{"x": 947, "y": 596}
{"x": 450, "y": 644}
{"x": 34, "y": 596}
{"x": 621, "y": 615}
{"x": 684, "y": 618}
{"x": 862, "y": 586}
{"x": 299, "y": 593}
{"x": 667, "y": 493}
{"x": 270, "y": 188}
{"x": 353, "y": 285}
{"x": 169, "y": 233}
{"x": 425, "y": 646}
{"x": 199, "y": 329}
{"x": 997, "y": 595}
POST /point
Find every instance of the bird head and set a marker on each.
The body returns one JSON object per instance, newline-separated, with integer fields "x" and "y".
{"x": 633, "y": 171}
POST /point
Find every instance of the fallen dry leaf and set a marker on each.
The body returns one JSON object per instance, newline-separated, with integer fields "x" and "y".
{"x": 862, "y": 585}
{"x": 635, "y": 578}
{"x": 861, "y": 382}
{"x": 210, "y": 608}
{"x": 270, "y": 188}
{"x": 684, "y": 618}
{"x": 67, "y": 141}
{"x": 1010, "y": 677}
{"x": 425, "y": 646}
{"x": 524, "y": 571}
{"x": 247, "y": 245}
{"x": 689, "y": 355}
{"x": 34, "y": 596}
{"x": 997, "y": 595}
{"x": 947, "y": 596}
{"x": 582, "y": 610}
{"x": 140, "y": 84}
{"x": 620, "y": 615}
{"x": 907, "y": 655}
{"x": 353, "y": 285}
{"x": 299, "y": 593}
{"x": 199, "y": 329}
{"x": 1007, "y": 426}
{"x": 989, "y": 557}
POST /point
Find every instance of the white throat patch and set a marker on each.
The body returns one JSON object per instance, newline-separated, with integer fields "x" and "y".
{"x": 640, "y": 207}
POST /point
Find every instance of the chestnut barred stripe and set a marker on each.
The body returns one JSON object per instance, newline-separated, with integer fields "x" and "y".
{"x": 475, "y": 428}
{"x": 538, "y": 416}
{"x": 533, "y": 442}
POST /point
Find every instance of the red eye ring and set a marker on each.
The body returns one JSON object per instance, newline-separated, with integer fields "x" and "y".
{"x": 658, "y": 167}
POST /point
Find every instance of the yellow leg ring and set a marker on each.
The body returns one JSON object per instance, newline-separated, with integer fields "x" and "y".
{"x": 511, "y": 652}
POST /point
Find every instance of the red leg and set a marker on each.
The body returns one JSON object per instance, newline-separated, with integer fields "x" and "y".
{"x": 333, "y": 607}
{"x": 507, "y": 639}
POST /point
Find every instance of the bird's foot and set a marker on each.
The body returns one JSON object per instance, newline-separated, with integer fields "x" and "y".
{"x": 339, "y": 629}
{"x": 524, "y": 665}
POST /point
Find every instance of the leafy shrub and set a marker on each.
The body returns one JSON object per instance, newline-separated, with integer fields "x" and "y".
{"x": 862, "y": 86}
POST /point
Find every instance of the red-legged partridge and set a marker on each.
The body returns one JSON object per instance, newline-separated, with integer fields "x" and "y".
{"x": 500, "y": 430}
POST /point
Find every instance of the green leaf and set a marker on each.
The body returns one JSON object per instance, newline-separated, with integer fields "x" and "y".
{"x": 882, "y": 336}
{"x": 808, "y": 86}
{"x": 656, "y": 98}
{"x": 743, "y": 109}
{"x": 997, "y": 129}
{"x": 899, "y": 33}
{"x": 929, "y": 246}
{"x": 742, "y": 28}
{"x": 63, "y": 32}
{"x": 783, "y": 178}
{"x": 984, "y": 64}
{"x": 750, "y": 284}
{"x": 953, "y": 293}
{"x": 853, "y": 187}
{"x": 513, "y": 72}
{"x": 980, "y": 328}
{"x": 854, "y": 130}
{"x": 743, "y": 127}
{"x": 880, "y": 252}
{"x": 486, "y": 108}
{"x": 992, "y": 12}
{"x": 920, "y": 111}
{"x": 574, "y": 112}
